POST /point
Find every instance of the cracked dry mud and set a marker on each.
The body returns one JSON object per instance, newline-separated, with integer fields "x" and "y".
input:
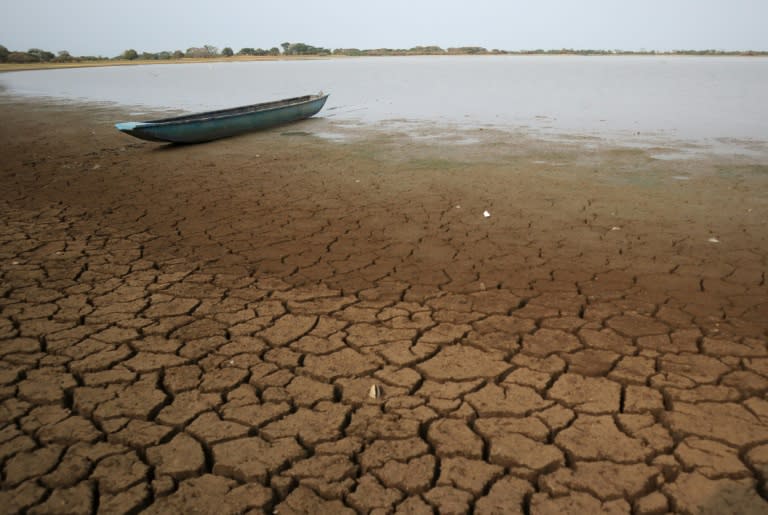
{"x": 197, "y": 329}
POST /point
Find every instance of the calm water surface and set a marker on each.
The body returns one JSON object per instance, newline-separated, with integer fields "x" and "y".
{"x": 668, "y": 98}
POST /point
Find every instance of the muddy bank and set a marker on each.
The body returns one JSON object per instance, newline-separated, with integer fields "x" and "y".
{"x": 166, "y": 308}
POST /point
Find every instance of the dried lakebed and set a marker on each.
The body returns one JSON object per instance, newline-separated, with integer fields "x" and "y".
{"x": 199, "y": 329}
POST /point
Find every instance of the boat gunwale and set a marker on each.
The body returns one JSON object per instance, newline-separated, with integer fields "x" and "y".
{"x": 232, "y": 112}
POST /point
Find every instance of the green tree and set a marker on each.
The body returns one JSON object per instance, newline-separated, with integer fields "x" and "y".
{"x": 227, "y": 52}
{"x": 348, "y": 51}
{"x": 42, "y": 55}
{"x": 64, "y": 57}
{"x": 178, "y": 54}
{"x": 130, "y": 54}
{"x": 304, "y": 49}
{"x": 21, "y": 57}
{"x": 206, "y": 51}
{"x": 285, "y": 46}
{"x": 428, "y": 50}
{"x": 3, "y": 54}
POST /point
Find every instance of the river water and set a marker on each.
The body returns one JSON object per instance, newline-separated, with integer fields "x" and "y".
{"x": 717, "y": 100}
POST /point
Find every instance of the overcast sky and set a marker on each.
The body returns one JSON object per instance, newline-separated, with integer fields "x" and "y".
{"x": 107, "y": 27}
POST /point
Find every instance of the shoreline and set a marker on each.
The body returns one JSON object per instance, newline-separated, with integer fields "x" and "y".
{"x": 657, "y": 146}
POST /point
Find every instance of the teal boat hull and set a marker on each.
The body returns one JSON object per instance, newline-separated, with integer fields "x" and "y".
{"x": 212, "y": 125}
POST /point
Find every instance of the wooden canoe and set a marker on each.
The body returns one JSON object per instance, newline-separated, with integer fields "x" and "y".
{"x": 211, "y": 125}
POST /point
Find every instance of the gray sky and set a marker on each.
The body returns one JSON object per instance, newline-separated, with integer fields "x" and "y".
{"x": 107, "y": 27}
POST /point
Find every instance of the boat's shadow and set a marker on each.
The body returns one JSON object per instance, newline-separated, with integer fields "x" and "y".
{"x": 175, "y": 147}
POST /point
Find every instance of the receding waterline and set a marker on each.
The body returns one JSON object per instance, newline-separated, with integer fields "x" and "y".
{"x": 663, "y": 97}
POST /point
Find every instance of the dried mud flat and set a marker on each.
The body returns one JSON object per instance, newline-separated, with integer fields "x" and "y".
{"x": 198, "y": 329}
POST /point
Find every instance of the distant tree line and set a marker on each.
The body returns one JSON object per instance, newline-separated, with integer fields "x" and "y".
{"x": 417, "y": 50}
{"x": 37, "y": 55}
{"x": 476, "y": 50}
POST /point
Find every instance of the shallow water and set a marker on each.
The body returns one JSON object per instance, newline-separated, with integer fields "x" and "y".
{"x": 720, "y": 101}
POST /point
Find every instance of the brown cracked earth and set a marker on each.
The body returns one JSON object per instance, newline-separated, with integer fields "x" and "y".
{"x": 198, "y": 329}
